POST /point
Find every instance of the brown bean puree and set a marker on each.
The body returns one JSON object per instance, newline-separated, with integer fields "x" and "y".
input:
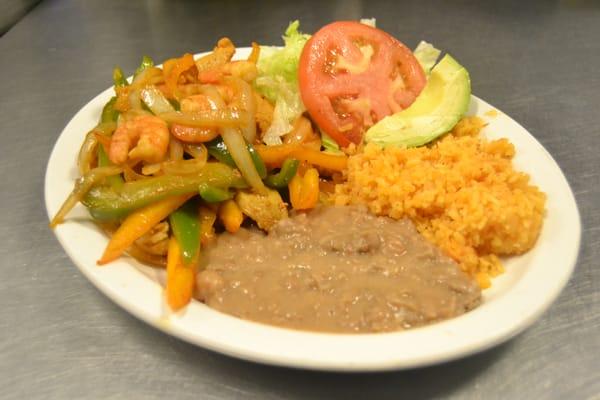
{"x": 335, "y": 269}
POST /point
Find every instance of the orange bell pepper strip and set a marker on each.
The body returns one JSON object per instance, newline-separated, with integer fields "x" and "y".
{"x": 274, "y": 156}
{"x": 172, "y": 70}
{"x": 139, "y": 223}
{"x": 181, "y": 277}
{"x": 231, "y": 216}
{"x": 304, "y": 190}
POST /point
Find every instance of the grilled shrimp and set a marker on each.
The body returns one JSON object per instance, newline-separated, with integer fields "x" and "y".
{"x": 148, "y": 133}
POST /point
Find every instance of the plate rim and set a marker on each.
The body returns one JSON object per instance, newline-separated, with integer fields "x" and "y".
{"x": 179, "y": 325}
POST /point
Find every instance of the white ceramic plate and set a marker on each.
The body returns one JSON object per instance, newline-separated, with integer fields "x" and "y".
{"x": 515, "y": 301}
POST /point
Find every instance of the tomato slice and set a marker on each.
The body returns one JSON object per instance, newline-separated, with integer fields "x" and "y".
{"x": 352, "y": 75}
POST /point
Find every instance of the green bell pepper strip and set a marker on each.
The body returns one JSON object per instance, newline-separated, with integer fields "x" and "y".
{"x": 115, "y": 181}
{"x": 258, "y": 162}
{"x": 175, "y": 104}
{"x": 109, "y": 114}
{"x": 213, "y": 194}
{"x": 185, "y": 224}
{"x": 147, "y": 62}
{"x": 218, "y": 149}
{"x": 119, "y": 78}
{"x": 281, "y": 179}
{"x": 108, "y": 203}
{"x": 108, "y": 111}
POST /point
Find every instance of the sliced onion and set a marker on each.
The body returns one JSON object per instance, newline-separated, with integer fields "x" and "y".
{"x": 130, "y": 115}
{"x": 175, "y": 150}
{"x": 135, "y": 102}
{"x": 237, "y": 146}
{"x": 198, "y": 151}
{"x": 206, "y": 119}
{"x": 239, "y": 152}
{"x": 87, "y": 151}
{"x": 248, "y": 104}
{"x": 82, "y": 186}
{"x": 213, "y": 95}
{"x": 155, "y": 100}
{"x": 129, "y": 174}
{"x": 106, "y": 128}
{"x": 151, "y": 169}
{"x": 183, "y": 167}
{"x": 147, "y": 75}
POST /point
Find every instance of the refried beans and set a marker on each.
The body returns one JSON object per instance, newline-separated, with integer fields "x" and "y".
{"x": 335, "y": 269}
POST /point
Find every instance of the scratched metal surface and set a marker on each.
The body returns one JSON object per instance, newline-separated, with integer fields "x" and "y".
{"x": 60, "y": 338}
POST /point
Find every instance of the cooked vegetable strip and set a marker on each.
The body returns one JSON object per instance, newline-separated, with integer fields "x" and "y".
{"x": 320, "y": 159}
{"x": 218, "y": 149}
{"x": 172, "y": 70}
{"x": 186, "y": 228}
{"x": 106, "y": 203}
{"x": 118, "y": 78}
{"x": 274, "y": 156}
{"x": 183, "y": 167}
{"x": 198, "y": 151}
{"x": 248, "y": 104}
{"x": 148, "y": 76}
{"x": 237, "y": 147}
{"x": 138, "y": 223}
{"x": 207, "y": 217}
{"x": 82, "y": 186}
{"x": 213, "y": 194}
{"x": 115, "y": 181}
{"x": 260, "y": 166}
{"x": 155, "y": 100}
{"x": 175, "y": 150}
{"x": 181, "y": 277}
{"x": 109, "y": 114}
{"x": 304, "y": 190}
{"x": 206, "y": 119}
{"x": 231, "y": 216}
{"x": 147, "y": 62}
{"x": 242, "y": 157}
{"x": 281, "y": 179}
{"x": 87, "y": 152}
{"x": 109, "y": 118}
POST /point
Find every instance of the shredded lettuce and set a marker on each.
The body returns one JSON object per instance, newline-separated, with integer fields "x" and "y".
{"x": 427, "y": 55}
{"x": 329, "y": 144}
{"x": 278, "y": 81}
{"x": 372, "y": 22}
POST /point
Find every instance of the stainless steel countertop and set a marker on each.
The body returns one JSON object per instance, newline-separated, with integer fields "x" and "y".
{"x": 60, "y": 338}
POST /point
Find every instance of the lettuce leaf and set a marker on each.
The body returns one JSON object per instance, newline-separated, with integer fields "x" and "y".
{"x": 427, "y": 55}
{"x": 329, "y": 144}
{"x": 278, "y": 81}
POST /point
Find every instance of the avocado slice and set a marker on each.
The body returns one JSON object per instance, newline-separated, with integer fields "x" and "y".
{"x": 441, "y": 104}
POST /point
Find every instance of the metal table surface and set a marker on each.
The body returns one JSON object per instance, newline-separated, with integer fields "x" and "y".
{"x": 60, "y": 338}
